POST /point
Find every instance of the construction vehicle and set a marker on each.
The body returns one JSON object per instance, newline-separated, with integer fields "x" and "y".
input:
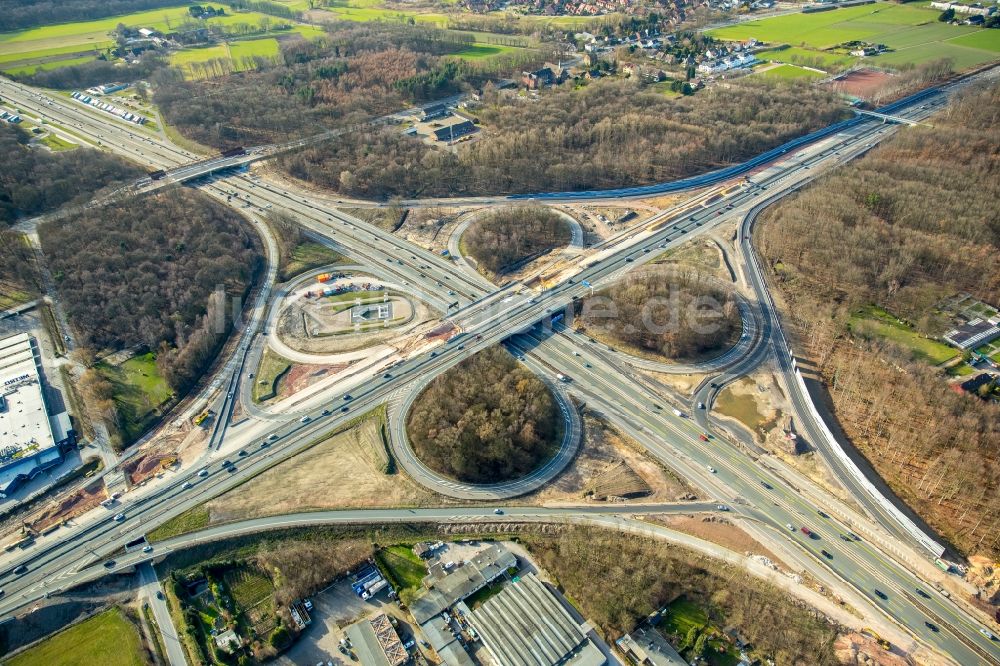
{"x": 871, "y": 633}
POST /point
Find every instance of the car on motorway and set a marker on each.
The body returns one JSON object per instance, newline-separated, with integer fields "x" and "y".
{"x": 305, "y": 419}
{"x": 265, "y": 444}
{"x": 791, "y": 528}
{"x": 701, "y": 405}
{"x": 881, "y": 595}
{"x": 711, "y": 469}
{"x": 767, "y": 485}
{"x": 923, "y": 594}
{"x": 498, "y": 512}
{"x": 203, "y": 472}
{"x": 274, "y": 437}
{"x": 119, "y": 517}
{"x": 227, "y": 463}
{"x": 987, "y": 633}
{"x": 347, "y": 396}
{"x": 159, "y": 595}
{"x": 933, "y": 627}
{"x": 186, "y": 485}
{"x": 325, "y": 412}
{"x": 827, "y": 554}
{"x": 809, "y": 533}
{"x": 722, "y": 507}
{"x": 147, "y": 549}
{"x": 822, "y": 514}
{"x": 109, "y": 564}
{"x": 703, "y": 437}
{"x": 628, "y": 259}
{"x": 344, "y": 409}
{"x": 20, "y": 569}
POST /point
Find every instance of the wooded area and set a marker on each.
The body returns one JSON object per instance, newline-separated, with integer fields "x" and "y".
{"x": 618, "y": 579}
{"x": 92, "y": 73}
{"x": 675, "y": 314}
{"x": 486, "y": 420}
{"x": 915, "y": 221}
{"x": 608, "y": 134}
{"x": 56, "y": 179}
{"x": 153, "y": 272}
{"x": 502, "y": 239}
{"x": 358, "y": 71}
{"x": 19, "y": 14}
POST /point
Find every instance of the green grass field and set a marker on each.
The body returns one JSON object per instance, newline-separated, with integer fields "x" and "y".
{"x": 234, "y": 52}
{"x": 878, "y": 322}
{"x": 57, "y": 144}
{"x": 107, "y": 639}
{"x": 17, "y": 68}
{"x": 404, "y": 568}
{"x": 798, "y": 54}
{"x": 913, "y": 32}
{"x": 90, "y": 36}
{"x": 790, "y": 72}
{"x": 139, "y": 390}
{"x": 481, "y": 51}
{"x": 308, "y": 255}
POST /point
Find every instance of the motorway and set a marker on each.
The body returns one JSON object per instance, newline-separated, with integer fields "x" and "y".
{"x": 488, "y": 317}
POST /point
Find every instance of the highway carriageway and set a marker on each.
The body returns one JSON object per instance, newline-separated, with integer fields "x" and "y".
{"x": 412, "y": 264}
{"x": 139, "y": 144}
{"x": 298, "y": 435}
{"x": 757, "y": 493}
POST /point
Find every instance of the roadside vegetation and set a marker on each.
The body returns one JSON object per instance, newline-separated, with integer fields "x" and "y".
{"x": 55, "y": 180}
{"x": 607, "y": 134}
{"x": 502, "y": 240}
{"x": 296, "y": 253}
{"x": 19, "y": 281}
{"x": 673, "y": 315}
{"x": 864, "y": 258}
{"x": 486, "y": 420}
{"x": 638, "y": 576}
{"x": 109, "y": 638}
{"x": 139, "y": 392}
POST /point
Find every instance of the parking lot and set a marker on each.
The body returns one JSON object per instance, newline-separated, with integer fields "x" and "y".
{"x": 333, "y": 610}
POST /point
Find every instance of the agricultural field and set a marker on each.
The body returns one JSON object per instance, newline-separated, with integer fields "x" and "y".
{"x": 914, "y": 34}
{"x": 66, "y": 41}
{"x": 108, "y": 639}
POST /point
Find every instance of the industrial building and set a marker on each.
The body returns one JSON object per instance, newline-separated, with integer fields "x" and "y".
{"x": 31, "y": 441}
{"x": 526, "y": 625}
{"x": 447, "y": 585}
{"x": 376, "y": 642}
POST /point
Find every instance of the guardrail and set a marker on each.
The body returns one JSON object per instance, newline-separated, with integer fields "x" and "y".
{"x": 904, "y": 521}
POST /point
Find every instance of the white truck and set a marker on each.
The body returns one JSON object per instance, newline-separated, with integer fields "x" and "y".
{"x": 679, "y": 413}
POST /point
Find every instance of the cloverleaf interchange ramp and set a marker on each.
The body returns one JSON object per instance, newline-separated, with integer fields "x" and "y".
{"x": 622, "y": 399}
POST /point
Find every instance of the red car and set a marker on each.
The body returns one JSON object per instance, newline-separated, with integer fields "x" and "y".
{"x": 807, "y": 531}
{"x": 703, "y": 438}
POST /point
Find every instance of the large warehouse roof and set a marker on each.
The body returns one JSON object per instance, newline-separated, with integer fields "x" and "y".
{"x": 526, "y": 625}
{"x": 24, "y": 421}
